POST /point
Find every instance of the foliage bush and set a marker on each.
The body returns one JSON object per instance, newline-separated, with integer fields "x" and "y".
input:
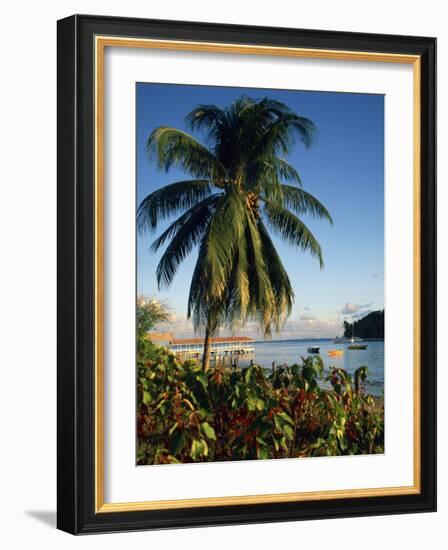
{"x": 150, "y": 312}
{"x": 186, "y": 414}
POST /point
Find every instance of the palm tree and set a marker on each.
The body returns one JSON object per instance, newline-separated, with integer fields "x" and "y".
{"x": 240, "y": 188}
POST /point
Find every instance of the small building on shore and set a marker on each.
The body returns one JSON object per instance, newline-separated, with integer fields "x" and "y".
{"x": 194, "y": 347}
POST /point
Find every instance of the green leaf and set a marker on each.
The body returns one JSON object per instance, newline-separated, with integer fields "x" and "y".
{"x": 196, "y": 449}
{"x": 203, "y": 380}
{"x": 173, "y": 428}
{"x": 287, "y": 430}
{"x": 204, "y": 447}
{"x": 286, "y": 418}
{"x": 179, "y": 441}
{"x": 251, "y": 404}
{"x": 259, "y": 404}
{"x": 247, "y": 375}
{"x": 263, "y": 453}
{"x": 208, "y": 431}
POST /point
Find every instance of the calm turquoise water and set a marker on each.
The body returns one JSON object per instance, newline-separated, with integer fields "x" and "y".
{"x": 289, "y": 352}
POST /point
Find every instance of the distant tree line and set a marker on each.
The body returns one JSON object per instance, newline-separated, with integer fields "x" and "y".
{"x": 370, "y": 326}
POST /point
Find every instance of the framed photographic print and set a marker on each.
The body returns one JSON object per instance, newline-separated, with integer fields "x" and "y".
{"x": 246, "y": 271}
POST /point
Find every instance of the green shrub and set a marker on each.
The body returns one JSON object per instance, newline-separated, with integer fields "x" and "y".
{"x": 187, "y": 415}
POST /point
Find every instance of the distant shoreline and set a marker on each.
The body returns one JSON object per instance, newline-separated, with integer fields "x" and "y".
{"x": 315, "y": 340}
{"x": 294, "y": 340}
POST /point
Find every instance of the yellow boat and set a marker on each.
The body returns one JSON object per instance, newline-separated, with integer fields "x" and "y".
{"x": 335, "y": 352}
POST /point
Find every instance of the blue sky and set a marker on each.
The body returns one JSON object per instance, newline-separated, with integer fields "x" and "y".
{"x": 344, "y": 169}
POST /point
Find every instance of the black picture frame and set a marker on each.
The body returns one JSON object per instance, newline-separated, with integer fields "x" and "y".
{"x": 76, "y": 254}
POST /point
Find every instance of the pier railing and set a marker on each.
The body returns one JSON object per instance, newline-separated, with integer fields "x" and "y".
{"x": 228, "y": 356}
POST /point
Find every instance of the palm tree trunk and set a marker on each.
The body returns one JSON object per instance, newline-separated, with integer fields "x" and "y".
{"x": 207, "y": 348}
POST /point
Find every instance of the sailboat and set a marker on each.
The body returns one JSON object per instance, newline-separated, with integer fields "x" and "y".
{"x": 352, "y": 345}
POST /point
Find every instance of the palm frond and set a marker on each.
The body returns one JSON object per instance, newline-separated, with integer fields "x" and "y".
{"x": 281, "y": 284}
{"x": 210, "y": 118}
{"x": 285, "y": 171}
{"x": 169, "y": 200}
{"x": 291, "y": 229}
{"x": 238, "y": 290}
{"x": 203, "y": 309}
{"x": 199, "y": 305}
{"x": 302, "y": 202}
{"x": 262, "y": 307}
{"x": 186, "y": 232}
{"x": 226, "y": 227}
{"x": 270, "y": 170}
{"x": 283, "y": 133}
{"x": 216, "y": 256}
{"x": 199, "y": 214}
{"x": 173, "y": 147}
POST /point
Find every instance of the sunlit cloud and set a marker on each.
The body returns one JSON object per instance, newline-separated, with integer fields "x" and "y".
{"x": 304, "y": 326}
{"x": 350, "y": 309}
{"x": 307, "y": 317}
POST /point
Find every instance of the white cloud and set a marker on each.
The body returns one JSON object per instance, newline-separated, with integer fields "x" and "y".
{"x": 350, "y": 309}
{"x": 307, "y": 317}
{"x": 304, "y": 326}
{"x": 179, "y": 325}
{"x": 310, "y": 328}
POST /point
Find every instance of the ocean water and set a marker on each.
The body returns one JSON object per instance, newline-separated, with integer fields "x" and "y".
{"x": 289, "y": 352}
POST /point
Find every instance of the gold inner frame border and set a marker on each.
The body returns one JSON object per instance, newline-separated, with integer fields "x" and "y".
{"x": 100, "y": 44}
